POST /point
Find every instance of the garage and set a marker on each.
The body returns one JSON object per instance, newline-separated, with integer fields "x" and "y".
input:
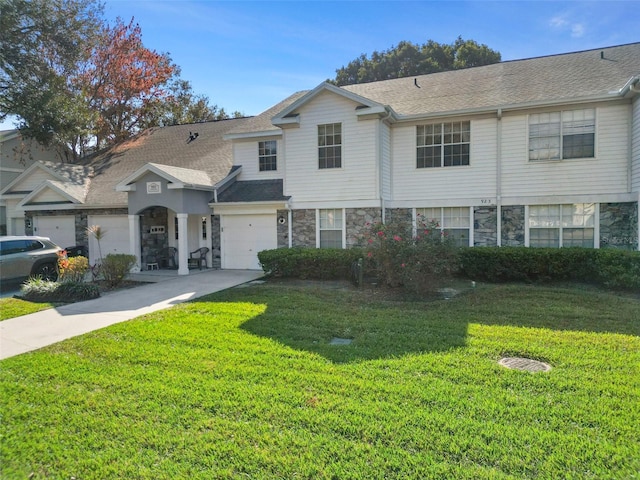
{"x": 61, "y": 229}
{"x": 115, "y": 229}
{"x": 243, "y": 236}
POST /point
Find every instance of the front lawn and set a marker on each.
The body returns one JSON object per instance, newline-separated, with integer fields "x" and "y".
{"x": 14, "y": 307}
{"x": 245, "y": 384}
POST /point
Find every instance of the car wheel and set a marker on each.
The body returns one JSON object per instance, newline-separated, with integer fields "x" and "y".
{"x": 47, "y": 271}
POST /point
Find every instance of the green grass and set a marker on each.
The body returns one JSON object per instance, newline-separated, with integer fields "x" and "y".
{"x": 13, "y": 307}
{"x": 244, "y": 384}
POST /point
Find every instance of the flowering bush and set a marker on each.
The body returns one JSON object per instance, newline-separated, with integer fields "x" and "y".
{"x": 421, "y": 261}
{"x": 71, "y": 269}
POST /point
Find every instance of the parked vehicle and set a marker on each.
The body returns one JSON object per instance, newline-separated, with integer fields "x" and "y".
{"x": 27, "y": 256}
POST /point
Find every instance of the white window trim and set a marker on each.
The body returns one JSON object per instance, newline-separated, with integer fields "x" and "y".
{"x": 277, "y": 155}
{"x": 595, "y": 137}
{"x": 344, "y": 229}
{"x": 596, "y": 226}
{"x": 341, "y": 144}
{"x": 414, "y": 221}
{"x": 442, "y": 165}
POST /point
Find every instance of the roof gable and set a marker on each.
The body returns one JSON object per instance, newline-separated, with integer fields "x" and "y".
{"x": 56, "y": 192}
{"x": 177, "y": 177}
{"x": 42, "y": 171}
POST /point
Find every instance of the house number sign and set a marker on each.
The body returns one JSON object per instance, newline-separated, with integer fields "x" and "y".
{"x": 154, "y": 187}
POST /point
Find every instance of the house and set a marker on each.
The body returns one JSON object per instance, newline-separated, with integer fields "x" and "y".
{"x": 536, "y": 152}
{"x": 16, "y": 154}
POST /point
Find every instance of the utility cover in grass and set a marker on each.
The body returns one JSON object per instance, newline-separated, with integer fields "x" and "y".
{"x": 527, "y": 364}
{"x": 340, "y": 341}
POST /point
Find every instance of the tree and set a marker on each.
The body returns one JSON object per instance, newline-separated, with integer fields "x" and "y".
{"x": 408, "y": 59}
{"x": 123, "y": 81}
{"x": 43, "y": 42}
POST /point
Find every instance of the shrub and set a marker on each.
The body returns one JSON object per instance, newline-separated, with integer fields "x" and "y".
{"x": 72, "y": 269}
{"x": 116, "y": 266}
{"x": 608, "y": 267}
{"x": 38, "y": 290}
{"x": 309, "y": 263}
{"x": 422, "y": 262}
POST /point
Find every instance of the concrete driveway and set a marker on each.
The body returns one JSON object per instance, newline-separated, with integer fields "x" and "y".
{"x": 30, "y": 332}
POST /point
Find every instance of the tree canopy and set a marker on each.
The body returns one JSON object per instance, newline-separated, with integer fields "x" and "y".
{"x": 78, "y": 83}
{"x": 408, "y": 59}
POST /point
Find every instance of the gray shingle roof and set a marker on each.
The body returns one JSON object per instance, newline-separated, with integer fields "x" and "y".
{"x": 167, "y": 146}
{"x": 253, "y": 191}
{"x": 543, "y": 79}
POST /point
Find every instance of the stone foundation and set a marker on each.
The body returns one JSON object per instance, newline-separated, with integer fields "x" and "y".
{"x": 619, "y": 225}
{"x": 283, "y": 229}
{"x": 359, "y": 221}
{"x": 513, "y": 226}
{"x": 485, "y": 226}
{"x": 304, "y": 228}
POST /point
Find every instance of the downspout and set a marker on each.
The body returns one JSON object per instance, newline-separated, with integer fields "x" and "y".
{"x": 380, "y": 164}
{"x": 499, "y": 179}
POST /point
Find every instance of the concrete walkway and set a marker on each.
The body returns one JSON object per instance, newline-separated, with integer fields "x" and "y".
{"x": 37, "y": 330}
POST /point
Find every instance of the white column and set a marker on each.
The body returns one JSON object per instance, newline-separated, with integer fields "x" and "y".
{"x": 183, "y": 244}
{"x": 134, "y": 241}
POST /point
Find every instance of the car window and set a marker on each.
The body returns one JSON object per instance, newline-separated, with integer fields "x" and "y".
{"x": 32, "y": 245}
{"x": 17, "y": 246}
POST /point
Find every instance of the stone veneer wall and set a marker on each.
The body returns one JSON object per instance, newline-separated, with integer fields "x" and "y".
{"x": 619, "y": 225}
{"x": 485, "y": 226}
{"x": 215, "y": 242}
{"x": 282, "y": 229}
{"x": 399, "y": 215}
{"x": 152, "y": 243}
{"x": 304, "y": 228}
{"x": 513, "y": 226}
{"x": 358, "y": 221}
{"x": 81, "y": 219}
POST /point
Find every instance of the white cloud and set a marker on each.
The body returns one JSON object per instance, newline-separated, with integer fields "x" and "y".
{"x": 577, "y": 30}
{"x": 558, "y": 22}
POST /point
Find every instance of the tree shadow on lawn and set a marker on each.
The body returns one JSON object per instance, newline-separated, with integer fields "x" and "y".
{"x": 391, "y": 328}
{"x": 373, "y": 329}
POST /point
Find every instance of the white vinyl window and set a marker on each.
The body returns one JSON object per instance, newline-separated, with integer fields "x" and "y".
{"x": 453, "y": 222}
{"x": 267, "y": 156}
{"x": 330, "y": 145}
{"x": 570, "y": 225}
{"x": 562, "y": 135}
{"x": 443, "y": 144}
{"x": 330, "y": 226}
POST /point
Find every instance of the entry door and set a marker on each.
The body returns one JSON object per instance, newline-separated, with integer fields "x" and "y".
{"x": 243, "y": 236}
{"x": 61, "y": 229}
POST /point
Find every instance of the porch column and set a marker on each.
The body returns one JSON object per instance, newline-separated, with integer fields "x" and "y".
{"x": 183, "y": 244}
{"x": 134, "y": 241}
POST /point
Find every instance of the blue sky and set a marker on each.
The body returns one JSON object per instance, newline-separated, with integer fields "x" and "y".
{"x": 247, "y": 56}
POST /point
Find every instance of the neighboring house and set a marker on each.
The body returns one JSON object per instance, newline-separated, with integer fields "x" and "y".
{"x": 16, "y": 155}
{"x": 535, "y": 152}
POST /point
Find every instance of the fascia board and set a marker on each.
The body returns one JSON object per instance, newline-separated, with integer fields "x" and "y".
{"x": 250, "y": 135}
{"x": 31, "y": 168}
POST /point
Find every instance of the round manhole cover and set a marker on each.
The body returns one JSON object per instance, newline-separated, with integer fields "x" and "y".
{"x": 526, "y": 364}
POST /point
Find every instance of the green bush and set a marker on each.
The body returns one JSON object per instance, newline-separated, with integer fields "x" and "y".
{"x": 309, "y": 263}
{"x": 38, "y": 290}
{"x": 72, "y": 269}
{"x": 607, "y": 267}
{"x": 115, "y": 268}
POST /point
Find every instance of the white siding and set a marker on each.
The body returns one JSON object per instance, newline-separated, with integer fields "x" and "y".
{"x": 33, "y": 180}
{"x": 245, "y": 153}
{"x": 357, "y": 179}
{"x": 472, "y": 182}
{"x": 606, "y": 173}
{"x": 48, "y": 196}
{"x": 635, "y": 147}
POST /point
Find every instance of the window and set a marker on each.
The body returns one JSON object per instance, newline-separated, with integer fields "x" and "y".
{"x": 330, "y": 224}
{"x": 562, "y": 135}
{"x": 267, "y": 155}
{"x": 453, "y": 222}
{"x": 562, "y": 225}
{"x": 443, "y": 144}
{"x": 330, "y": 145}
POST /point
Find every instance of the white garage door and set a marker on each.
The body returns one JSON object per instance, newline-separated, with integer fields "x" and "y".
{"x": 116, "y": 235}
{"x": 243, "y": 236}
{"x": 60, "y": 229}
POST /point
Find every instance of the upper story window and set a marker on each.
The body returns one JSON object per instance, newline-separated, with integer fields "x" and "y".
{"x": 267, "y": 155}
{"x": 562, "y": 135}
{"x": 443, "y": 144}
{"x": 330, "y": 145}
